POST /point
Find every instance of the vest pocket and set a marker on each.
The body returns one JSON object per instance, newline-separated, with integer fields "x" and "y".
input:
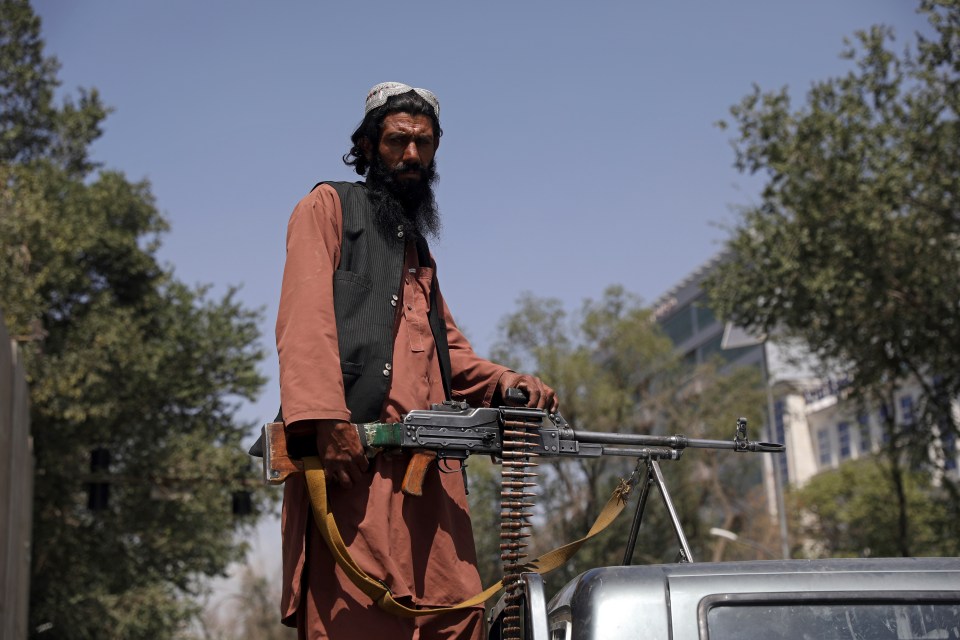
{"x": 352, "y": 277}
{"x": 351, "y": 368}
{"x": 351, "y": 292}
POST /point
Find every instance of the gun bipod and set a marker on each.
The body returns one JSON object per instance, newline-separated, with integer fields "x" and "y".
{"x": 652, "y": 475}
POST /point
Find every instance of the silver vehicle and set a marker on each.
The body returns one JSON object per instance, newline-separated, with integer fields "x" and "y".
{"x": 853, "y": 599}
{"x": 835, "y": 599}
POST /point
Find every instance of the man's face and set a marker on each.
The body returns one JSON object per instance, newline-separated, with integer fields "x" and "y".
{"x": 407, "y": 145}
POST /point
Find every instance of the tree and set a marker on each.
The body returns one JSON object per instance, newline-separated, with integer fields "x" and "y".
{"x": 717, "y": 489}
{"x": 134, "y": 377}
{"x": 31, "y": 126}
{"x": 615, "y": 371}
{"x": 603, "y": 364}
{"x": 855, "y": 246}
{"x": 843, "y": 512}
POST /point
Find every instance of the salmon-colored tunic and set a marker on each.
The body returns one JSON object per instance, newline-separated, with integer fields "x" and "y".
{"x": 421, "y": 547}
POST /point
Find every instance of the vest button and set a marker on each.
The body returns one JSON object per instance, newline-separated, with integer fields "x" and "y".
{"x": 388, "y": 366}
{"x": 399, "y": 234}
{"x": 393, "y": 302}
{"x": 386, "y": 372}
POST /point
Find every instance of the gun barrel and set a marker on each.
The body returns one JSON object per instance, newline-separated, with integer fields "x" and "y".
{"x": 672, "y": 442}
{"x": 736, "y": 445}
{"x": 628, "y": 439}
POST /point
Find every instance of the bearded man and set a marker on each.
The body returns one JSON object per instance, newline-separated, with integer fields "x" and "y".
{"x": 363, "y": 334}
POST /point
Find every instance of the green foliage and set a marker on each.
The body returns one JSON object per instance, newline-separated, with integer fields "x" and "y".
{"x": 31, "y": 126}
{"x": 848, "y": 512}
{"x": 615, "y": 371}
{"x": 603, "y": 364}
{"x": 855, "y": 246}
{"x": 119, "y": 355}
{"x": 27, "y": 82}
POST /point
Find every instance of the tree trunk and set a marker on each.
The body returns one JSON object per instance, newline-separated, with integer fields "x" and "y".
{"x": 896, "y": 471}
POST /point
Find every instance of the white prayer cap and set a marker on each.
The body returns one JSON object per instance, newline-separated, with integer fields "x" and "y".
{"x": 380, "y": 93}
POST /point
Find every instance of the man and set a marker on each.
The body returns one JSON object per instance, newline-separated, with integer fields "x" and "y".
{"x": 363, "y": 334}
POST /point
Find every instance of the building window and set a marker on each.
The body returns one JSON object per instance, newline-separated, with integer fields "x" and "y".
{"x": 705, "y": 317}
{"x": 906, "y": 411}
{"x": 863, "y": 421}
{"x": 843, "y": 437}
{"x": 823, "y": 447}
{"x": 679, "y": 326}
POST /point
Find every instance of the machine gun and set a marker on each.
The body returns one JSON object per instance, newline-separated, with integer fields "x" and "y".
{"x": 452, "y": 431}
{"x": 516, "y": 436}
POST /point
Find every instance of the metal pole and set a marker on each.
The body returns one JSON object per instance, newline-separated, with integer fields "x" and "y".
{"x": 777, "y": 477}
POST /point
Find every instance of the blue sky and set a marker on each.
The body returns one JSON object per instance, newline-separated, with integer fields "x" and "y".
{"x": 579, "y": 145}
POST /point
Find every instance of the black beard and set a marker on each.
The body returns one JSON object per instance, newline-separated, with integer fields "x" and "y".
{"x": 406, "y": 204}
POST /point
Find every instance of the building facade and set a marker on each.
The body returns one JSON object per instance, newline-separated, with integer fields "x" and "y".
{"x": 812, "y": 414}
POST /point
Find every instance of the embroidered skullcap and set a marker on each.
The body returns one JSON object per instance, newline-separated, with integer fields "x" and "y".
{"x": 380, "y": 93}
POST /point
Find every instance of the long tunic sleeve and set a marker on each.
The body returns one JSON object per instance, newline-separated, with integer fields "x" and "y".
{"x": 311, "y": 385}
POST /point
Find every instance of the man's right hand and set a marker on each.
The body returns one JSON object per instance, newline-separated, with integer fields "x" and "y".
{"x": 340, "y": 451}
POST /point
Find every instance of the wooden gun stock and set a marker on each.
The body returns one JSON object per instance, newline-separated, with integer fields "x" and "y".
{"x": 277, "y": 463}
{"x": 417, "y": 471}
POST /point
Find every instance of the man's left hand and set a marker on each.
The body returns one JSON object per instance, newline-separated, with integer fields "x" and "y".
{"x": 539, "y": 394}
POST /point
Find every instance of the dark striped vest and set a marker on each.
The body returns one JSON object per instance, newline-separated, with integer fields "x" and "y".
{"x": 366, "y": 289}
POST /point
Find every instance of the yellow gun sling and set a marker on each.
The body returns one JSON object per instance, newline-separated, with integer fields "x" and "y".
{"x": 380, "y": 593}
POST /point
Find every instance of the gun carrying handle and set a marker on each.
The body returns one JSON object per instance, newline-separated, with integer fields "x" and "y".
{"x": 417, "y": 472}
{"x": 516, "y": 397}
